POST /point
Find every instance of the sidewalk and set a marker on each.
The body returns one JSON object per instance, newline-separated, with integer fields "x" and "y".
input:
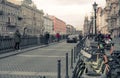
{"x": 12, "y": 53}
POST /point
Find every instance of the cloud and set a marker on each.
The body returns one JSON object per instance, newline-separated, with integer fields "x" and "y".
{"x": 70, "y": 11}
{"x": 71, "y": 2}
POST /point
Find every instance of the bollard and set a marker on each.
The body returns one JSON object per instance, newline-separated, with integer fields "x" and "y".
{"x": 44, "y": 77}
{"x": 72, "y": 59}
{"x": 79, "y": 56}
{"x": 74, "y": 55}
{"x": 67, "y": 76}
{"x": 59, "y": 68}
{"x": 76, "y": 52}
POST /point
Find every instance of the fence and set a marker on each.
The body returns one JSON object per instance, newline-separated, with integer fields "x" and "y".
{"x": 7, "y": 43}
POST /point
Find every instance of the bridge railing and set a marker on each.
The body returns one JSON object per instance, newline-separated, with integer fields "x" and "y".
{"x": 7, "y": 43}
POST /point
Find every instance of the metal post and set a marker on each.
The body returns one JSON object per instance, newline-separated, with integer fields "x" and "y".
{"x": 95, "y": 8}
{"x": 74, "y": 55}
{"x": 59, "y": 68}
{"x": 66, "y": 66}
{"x": 76, "y": 50}
{"x": 71, "y": 58}
{"x": 95, "y": 24}
{"x": 119, "y": 18}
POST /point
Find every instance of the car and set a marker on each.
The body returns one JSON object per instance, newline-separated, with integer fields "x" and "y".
{"x": 72, "y": 38}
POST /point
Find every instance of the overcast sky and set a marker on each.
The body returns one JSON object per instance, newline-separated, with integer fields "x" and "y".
{"x": 70, "y": 11}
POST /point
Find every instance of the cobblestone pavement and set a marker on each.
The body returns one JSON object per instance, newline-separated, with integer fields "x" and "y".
{"x": 37, "y": 63}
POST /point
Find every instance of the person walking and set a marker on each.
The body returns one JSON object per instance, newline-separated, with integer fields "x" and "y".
{"x": 58, "y": 37}
{"x": 17, "y": 39}
{"x": 47, "y": 36}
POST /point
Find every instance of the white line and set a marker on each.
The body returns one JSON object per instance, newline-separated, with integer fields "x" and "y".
{"x": 39, "y": 56}
{"x": 55, "y": 49}
{"x": 28, "y": 73}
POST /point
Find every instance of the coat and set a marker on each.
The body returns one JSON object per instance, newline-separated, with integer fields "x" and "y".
{"x": 17, "y": 36}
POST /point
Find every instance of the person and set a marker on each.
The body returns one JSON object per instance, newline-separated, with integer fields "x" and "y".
{"x": 100, "y": 36}
{"x": 47, "y": 36}
{"x": 80, "y": 37}
{"x": 112, "y": 44}
{"x": 58, "y": 37}
{"x": 17, "y": 39}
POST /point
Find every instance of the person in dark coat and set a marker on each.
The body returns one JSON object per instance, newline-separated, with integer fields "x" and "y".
{"x": 47, "y": 36}
{"x": 17, "y": 39}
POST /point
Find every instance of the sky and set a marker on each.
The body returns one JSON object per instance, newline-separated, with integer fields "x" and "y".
{"x": 72, "y": 12}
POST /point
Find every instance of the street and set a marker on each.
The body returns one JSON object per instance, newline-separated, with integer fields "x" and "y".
{"x": 37, "y": 63}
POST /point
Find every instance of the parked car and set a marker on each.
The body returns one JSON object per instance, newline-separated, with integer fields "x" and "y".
{"x": 72, "y": 38}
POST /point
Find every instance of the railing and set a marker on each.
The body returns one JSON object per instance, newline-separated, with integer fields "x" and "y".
{"x": 7, "y": 43}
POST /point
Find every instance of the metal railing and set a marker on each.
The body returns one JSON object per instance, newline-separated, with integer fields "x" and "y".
{"x": 7, "y": 43}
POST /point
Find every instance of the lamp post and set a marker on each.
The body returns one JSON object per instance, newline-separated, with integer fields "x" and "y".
{"x": 119, "y": 17}
{"x": 95, "y": 8}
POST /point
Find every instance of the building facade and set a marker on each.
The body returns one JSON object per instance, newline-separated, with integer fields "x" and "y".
{"x": 33, "y": 20}
{"x": 23, "y": 16}
{"x": 113, "y": 16}
{"x": 9, "y": 18}
{"x": 17, "y": 2}
{"x": 48, "y": 24}
{"x": 70, "y": 29}
{"x": 101, "y": 20}
{"x": 59, "y": 25}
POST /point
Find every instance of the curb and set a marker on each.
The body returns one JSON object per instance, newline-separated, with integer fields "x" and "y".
{"x": 2, "y": 56}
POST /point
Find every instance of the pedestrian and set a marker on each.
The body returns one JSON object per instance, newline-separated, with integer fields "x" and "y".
{"x": 99, "y": 37}
{"x": 80, "y": 37}
{"x": 47, "y": 36}
{"x": 58, "y": 37}
{"x": 17, "y": 39}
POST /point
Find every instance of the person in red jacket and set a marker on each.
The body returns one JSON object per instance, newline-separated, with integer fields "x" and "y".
{"x": 58, "y": 36}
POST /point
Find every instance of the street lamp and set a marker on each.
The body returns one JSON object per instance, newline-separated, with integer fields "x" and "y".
{"x": 95, "y": 8}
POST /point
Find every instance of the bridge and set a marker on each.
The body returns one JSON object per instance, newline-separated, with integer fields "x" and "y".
{"x": 56, "y": 60}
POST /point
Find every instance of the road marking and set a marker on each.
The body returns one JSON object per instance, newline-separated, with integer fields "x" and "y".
{"x": 55, "y": 49}
{"x": 28, "y": 73}
{"x": 39, "y": 56}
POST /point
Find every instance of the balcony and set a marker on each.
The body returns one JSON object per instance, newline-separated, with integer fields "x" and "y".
{"x": 9, "y": 24}
{"x": 20, "y": 18}
{"x": 107, "y": 8}
{"x": 115, "y": 2}
{"x": 1, "y": 12}
{"x": 110, "y": 28}
{"x": 114, "y": 16}
{"x": 108, "y": 18}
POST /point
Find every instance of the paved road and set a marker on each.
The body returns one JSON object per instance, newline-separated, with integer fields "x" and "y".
{"x": 36, "y": 63}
